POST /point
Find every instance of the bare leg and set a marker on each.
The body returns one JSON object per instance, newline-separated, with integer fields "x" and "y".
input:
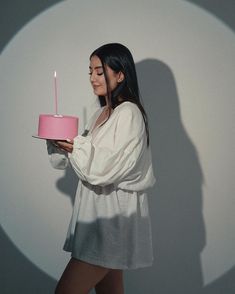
{"x": 80, "y": 277}
{"x": 111, "y": 283}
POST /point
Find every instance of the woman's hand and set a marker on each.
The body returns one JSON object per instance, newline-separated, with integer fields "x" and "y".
{"x": 64, "y": 145}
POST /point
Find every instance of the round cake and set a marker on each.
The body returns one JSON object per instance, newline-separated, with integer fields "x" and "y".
{"x": 57, "y": 127}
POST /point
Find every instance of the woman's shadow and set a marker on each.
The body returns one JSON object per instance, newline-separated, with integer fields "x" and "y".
{"x": 176, "y": 199}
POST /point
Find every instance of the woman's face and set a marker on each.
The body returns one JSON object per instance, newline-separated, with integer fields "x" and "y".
{"x": 97, "y": 77}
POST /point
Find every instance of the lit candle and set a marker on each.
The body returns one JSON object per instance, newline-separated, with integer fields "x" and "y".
{"x": 56, "y": 98}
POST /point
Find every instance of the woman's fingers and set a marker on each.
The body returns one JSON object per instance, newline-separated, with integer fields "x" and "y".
{"x": 67, "y": 146}
{"x": 64, "y": 145}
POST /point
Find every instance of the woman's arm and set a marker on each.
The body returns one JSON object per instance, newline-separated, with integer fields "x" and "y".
{"x": 103, "y": 166}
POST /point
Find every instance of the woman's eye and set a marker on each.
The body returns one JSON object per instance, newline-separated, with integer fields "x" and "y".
{"x": 98, "y": 73}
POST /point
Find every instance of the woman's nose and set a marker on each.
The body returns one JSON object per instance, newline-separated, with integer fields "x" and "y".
{"x": 92, "y": 77}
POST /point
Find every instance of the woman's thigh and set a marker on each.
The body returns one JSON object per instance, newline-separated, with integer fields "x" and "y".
{"x": 79, "y": 277}
{"x": 111, "y": 283}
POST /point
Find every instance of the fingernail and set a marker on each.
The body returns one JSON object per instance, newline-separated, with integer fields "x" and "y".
{"x": 68, "y": 140}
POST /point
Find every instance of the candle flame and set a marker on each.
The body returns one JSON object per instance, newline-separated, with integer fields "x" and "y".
{"x": 55, "y": 74}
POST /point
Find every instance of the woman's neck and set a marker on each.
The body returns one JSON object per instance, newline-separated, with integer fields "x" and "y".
{"x": 108, "y": 103}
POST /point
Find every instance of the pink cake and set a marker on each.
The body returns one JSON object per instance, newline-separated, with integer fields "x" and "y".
{"x": 57, "y": 127}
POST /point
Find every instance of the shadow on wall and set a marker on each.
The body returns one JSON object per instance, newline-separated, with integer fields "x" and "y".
{"x": 224, "y": 10}
{"x": 224, "y": 284}
{"x": 18, "y": 274}
{"x": 68, "y": 184}
{"x": 176, "y": 201}
{"x": 15, "y": 14}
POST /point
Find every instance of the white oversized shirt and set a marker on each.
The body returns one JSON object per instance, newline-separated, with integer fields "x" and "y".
{"x": 110, "y": 224}
{"x": 115, "y": 153}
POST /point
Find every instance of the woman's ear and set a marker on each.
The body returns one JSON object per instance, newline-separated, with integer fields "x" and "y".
{"x": 120, "y": 76}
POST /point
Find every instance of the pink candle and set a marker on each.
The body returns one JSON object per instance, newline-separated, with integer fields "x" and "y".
{"x": 56, "y": 98}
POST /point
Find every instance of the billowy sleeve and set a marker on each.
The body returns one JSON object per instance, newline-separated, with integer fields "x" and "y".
{"x": 58, "y": 158}
{"x": 127, "y": 164}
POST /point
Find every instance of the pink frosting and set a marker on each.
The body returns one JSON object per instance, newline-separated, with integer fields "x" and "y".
{"x": 60, "y": 127}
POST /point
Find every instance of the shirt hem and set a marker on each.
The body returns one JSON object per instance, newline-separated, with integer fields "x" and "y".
{"x": 95, "y": 261}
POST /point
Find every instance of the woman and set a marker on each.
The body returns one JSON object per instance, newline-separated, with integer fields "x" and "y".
{"x": 110, "y": 228}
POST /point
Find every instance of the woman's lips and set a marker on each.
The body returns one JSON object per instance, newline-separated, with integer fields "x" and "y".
{"x": 96, "y": 87}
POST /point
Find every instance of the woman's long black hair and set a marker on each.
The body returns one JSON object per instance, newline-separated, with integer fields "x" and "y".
{"x": 119, "y": 58}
